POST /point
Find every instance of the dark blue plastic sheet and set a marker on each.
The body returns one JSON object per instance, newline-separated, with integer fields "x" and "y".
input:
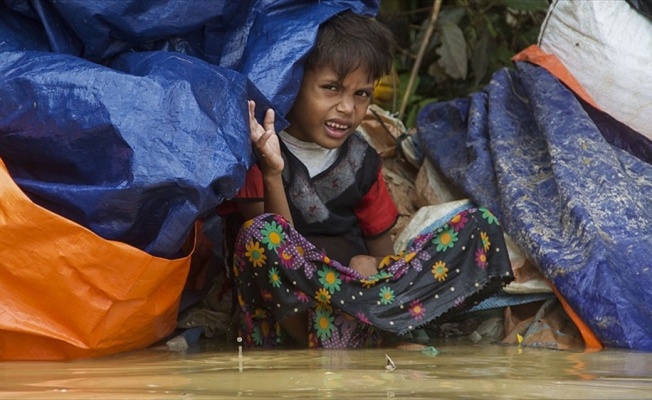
{"x": 129, "y": 117}
{"x": 570, "y": 184}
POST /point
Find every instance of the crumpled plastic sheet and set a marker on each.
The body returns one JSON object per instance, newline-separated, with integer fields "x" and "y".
{"x": 129, "y": 117}
{"x": 571, "y": 185}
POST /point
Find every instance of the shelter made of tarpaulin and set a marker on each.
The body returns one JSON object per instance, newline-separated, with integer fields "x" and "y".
{"x": 121, "y": 124}
{"x": 550, "y": 148}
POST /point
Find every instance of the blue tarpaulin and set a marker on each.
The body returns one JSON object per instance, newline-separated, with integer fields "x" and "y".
{"x": 570, "y": 184}
{"x": 129, "y": 117}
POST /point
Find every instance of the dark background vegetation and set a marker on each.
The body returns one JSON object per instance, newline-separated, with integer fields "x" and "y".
{"x": 471, "y": 39}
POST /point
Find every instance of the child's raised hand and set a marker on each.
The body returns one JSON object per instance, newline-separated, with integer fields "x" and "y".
{"x": 364, "y": 265}
{"x": 265, "y": 141}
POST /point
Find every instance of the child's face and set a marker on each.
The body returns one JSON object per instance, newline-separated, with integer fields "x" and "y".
{"x": 328, "y": 110}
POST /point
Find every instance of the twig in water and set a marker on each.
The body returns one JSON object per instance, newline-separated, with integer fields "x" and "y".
{"x": 390, "y": 366}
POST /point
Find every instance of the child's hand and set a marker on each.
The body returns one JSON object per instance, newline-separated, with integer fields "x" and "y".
{"x": 265, "y": 141}
{"x": 364, "y": 265}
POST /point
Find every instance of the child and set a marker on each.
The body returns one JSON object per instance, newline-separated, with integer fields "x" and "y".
{"x": 314, "y": 260}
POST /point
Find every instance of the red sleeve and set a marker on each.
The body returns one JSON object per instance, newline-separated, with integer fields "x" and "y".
{"x": 252, "y": 190}
{"x": 376, "y": 212}
{"x": 253, "y": 187}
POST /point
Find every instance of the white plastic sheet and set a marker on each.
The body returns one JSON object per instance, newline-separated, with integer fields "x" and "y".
{"x": 607, "y": 46}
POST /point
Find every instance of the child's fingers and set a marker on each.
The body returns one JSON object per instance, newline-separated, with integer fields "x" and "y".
{"x": 260, "y": 135}
{"x": 255, "y": 130}
{"x": 268, "y": 122}
{"x": 262, "y": 140}
{"x": 252, "y": 107}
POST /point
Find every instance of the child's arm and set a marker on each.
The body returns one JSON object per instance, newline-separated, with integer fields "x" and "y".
{"x": 266, "y": 143}
{"x": 380, "y": 246}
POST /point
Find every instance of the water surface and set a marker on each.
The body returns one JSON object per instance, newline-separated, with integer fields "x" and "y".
{"x": 459, "y": 371}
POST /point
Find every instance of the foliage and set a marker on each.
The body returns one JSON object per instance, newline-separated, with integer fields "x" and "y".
{"x": 472, "y": 39}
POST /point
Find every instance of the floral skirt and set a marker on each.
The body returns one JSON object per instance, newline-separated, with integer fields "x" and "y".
{"x": 442, "y": 272}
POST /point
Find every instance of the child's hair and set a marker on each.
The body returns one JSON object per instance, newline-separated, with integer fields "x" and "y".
{"x": 348, "y": 41}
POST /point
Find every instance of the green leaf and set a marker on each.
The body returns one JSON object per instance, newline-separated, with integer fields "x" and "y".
{"x": 452, "y": 52}
{"x": 421, "y": 33}
{"x": 453, "y": 15}
{"x": 526, "y": 5}
{"x": 480, "y": 57}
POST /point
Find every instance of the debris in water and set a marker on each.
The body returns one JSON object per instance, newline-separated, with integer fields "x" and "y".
{"x": 239, "y": 339}
{"x": 390, "y": 366}
{"x": 519, "y": 338}
{"x": 430, "y": 351}
{"x": 177, "y": 343}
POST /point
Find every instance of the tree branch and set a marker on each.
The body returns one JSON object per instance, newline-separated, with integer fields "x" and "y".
{"x": 417, "y": 63}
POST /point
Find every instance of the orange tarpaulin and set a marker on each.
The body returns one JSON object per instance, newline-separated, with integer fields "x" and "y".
{"x": 67, "y": 293}
{"x": 551, "y": 63}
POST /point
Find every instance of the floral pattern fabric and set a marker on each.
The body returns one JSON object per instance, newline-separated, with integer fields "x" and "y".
{"x": 279, "y": 273}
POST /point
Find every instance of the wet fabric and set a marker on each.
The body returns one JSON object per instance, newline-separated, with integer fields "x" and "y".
{"x": 279, "y": 273}
{"x": 571, "y": 185}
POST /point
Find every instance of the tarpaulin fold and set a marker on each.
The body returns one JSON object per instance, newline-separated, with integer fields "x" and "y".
{"x": 130, "y": 117}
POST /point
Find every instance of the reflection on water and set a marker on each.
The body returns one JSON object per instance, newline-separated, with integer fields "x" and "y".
{"x": 459, "y": 371}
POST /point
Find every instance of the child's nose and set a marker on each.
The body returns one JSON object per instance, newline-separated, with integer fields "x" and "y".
{"x": 345, "y": 105}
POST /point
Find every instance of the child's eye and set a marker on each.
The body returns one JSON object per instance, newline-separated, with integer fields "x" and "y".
{"x": 364, "y": 93}
{"x": 331, "y": 87}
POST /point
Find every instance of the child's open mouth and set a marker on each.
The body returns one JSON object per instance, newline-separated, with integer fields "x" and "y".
{"x": 336, "y": 130}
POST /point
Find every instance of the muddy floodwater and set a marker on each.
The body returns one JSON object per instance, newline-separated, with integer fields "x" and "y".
{"x": 458, "y": 371}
